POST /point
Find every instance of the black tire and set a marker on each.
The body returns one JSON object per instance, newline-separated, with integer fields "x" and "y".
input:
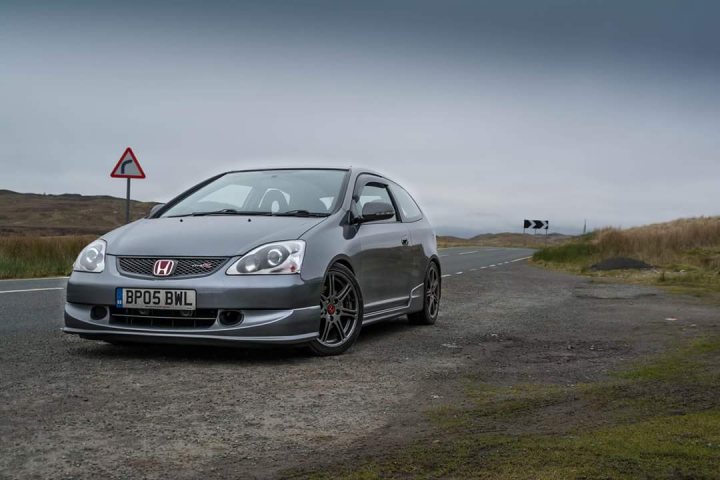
{"x": 341, "y": 311}
{"x": 431, "y": 298}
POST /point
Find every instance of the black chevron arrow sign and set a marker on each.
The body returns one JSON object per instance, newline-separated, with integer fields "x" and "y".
{"x": 537, "y": 224}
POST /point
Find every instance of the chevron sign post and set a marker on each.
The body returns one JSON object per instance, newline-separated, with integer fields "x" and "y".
{"x": 537, "y": 225}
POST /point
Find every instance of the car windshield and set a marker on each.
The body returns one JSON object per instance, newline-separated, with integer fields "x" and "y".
{"x": 265, "y": 192}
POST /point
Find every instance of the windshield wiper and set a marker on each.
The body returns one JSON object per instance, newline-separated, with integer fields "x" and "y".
{"x": 228, "y": 211}
{"x": 300, "y": 213}
{"x": 232, "y": 211}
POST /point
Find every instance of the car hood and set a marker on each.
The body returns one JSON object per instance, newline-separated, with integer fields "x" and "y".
{"x": 222, "y": 236}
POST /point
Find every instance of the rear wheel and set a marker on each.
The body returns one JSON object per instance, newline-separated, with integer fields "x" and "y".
{"x": 431, "y": 301}
{"x": 341, "y": 311}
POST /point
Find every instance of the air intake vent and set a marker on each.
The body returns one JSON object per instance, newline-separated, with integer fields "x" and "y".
{"x": 163, "y": 319}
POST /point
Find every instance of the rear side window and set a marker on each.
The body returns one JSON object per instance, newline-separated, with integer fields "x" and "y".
{"x": 408, "y": 208}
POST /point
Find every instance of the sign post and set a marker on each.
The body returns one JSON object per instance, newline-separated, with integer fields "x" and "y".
{"x": 127, "y": 202}
{"x": 128, "y": 167}
{"x": 537, "y": 225}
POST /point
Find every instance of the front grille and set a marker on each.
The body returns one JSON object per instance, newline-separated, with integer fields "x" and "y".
{"x": 184, "y": 267}
{"x": 139, "y": 317}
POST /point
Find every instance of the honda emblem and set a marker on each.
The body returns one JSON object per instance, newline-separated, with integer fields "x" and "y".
{"x": 163, "y": 268}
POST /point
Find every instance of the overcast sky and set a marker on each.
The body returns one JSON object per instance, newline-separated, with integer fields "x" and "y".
{"x": 488, "y": 112}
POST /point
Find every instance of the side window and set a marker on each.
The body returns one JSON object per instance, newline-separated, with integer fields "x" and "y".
{"x": 408, "y": 208}
{"x": 374, "y": 193}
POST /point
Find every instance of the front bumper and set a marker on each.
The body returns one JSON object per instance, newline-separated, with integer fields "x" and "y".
{"x": 276, "y": 309}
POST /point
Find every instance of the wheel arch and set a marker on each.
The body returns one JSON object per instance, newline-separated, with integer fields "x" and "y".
{"x": 342, "y": 260}
{"x": 436, "y": 260}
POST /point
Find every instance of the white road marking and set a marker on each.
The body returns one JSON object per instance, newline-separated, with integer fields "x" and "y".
{"x": 479, "y": 268}
{"x": 32, "y": 290}
{"x": 445, "y": 255}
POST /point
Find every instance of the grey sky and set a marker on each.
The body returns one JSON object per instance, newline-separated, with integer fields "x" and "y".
{"x": 489, "y": 112}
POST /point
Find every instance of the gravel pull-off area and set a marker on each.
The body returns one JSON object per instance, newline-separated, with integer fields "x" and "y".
{"x": 71, "y": 408}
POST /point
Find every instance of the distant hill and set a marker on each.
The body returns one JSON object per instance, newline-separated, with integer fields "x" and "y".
{"x": 67, "y": 214}
{"x": 36, "y": 214}
{"x": 504, "y": 240}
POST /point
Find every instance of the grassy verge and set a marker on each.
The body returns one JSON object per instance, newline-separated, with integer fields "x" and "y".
{"x": 685, "y": 254}
{"x": 660, "y": 419}
{"x": 32, "y": 257}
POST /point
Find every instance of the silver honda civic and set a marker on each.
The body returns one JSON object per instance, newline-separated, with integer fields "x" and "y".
{"x": 279, "y": 256}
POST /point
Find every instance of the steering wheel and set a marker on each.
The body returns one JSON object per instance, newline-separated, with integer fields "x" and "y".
{"x": 270, "y": 199}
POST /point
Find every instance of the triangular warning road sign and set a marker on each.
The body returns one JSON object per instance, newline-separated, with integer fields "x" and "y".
{"x": 128, "y": 166}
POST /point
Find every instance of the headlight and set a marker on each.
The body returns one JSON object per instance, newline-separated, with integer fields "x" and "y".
{"x": 279, "y": 257}
{"x": 92, "y": 258}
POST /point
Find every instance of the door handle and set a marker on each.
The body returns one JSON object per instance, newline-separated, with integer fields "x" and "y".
{"x": 405, "y": 242}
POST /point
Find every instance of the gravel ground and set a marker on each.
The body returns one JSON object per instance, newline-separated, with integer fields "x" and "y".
{"x": 71, "y": 408}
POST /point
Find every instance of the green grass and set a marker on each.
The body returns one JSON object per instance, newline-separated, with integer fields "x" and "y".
{"x": 685, "y": 254}
{"x": 682, "y": 362}
{"x": 690, "y": 280}
{"x": 697, "y": 275}
{"x": 658, "y": 419}
{"x": 32, "y": 257}
{"x": 685, "y": 446}
{"x": 574, "y": 253}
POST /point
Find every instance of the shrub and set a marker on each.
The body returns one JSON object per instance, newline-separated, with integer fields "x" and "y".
{"x": 27, "y": 257}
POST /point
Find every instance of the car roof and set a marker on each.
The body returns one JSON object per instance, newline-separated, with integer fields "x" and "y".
{"x": 354, "y": 171}
{"x": 361, "y": 170}
{"x": 268, "y": 169}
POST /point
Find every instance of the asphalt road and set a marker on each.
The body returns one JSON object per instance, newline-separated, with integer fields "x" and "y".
{"x": 29, "y": 307}
{"x": 71, "y": 408}
{"x": 459, "y": 261}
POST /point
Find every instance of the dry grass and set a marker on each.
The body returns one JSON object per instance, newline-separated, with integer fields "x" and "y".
{"x": 41, "y": 235}
{"x": 33, "y": 215}
{"x": 685, "y": 254}
{"x": 32, "y": 257}
{"x": 689, "y": 241}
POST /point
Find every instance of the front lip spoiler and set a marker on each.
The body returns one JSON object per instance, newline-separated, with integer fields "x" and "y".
{"x": 221, "y": 339}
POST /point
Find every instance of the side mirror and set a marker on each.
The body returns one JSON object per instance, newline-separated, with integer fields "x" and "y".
{"x": 155, "y": 209}
{"x": 374, "y": 211}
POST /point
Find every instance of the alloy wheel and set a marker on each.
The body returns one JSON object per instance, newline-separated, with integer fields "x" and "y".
{"x": 432, "y": 292}
{"x": 339, "y": 309}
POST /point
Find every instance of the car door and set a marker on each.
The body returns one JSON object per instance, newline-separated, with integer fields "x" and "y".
{"x": 420, "y": 234}
{"x": 383, "y": 259}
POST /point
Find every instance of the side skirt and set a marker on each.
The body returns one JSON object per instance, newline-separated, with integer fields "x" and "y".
{"x": 414, "y": 304}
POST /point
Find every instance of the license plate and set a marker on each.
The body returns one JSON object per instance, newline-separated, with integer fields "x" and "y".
{"x": 152, "y": 298}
